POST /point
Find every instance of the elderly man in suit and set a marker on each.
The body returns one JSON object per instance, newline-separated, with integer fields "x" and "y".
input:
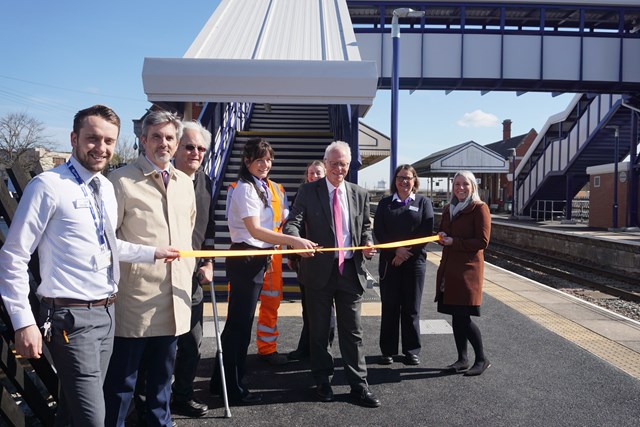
{"x": 335, "y": 213}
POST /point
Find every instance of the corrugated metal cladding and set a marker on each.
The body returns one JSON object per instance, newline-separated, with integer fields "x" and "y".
{"x": 278, "y": 29}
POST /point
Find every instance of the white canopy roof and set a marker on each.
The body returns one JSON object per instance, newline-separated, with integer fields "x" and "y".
{"x": 278, "y": 51}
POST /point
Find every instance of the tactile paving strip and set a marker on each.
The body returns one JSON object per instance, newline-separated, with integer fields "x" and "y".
{"x": 612, "y": 352}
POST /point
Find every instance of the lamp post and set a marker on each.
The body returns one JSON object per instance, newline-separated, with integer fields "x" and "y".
{"x": 403, "y": 12}
{"x": 616, "y": 134}
{"x": 512, "y": 152}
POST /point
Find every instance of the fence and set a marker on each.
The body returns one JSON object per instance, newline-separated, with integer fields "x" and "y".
{"x": 28, "y": 387}
{"x": 554, "y": 210}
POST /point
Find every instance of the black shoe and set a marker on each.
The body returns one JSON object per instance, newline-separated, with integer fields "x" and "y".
{"x": 274, "y": 359}
{"x": 458, "y": 366}
{"x": 246, "y": 399}
{"x": 478, "y": 368}
{"x": 365, "y": 397}
{"x": 324, "y": 392}
{"x": 385, "y": 360}
{"x": 411, "y": 359}
{"x": 298, "y": 355}
{"x": 215, "y": 388}
{"x": 190, "y": 408}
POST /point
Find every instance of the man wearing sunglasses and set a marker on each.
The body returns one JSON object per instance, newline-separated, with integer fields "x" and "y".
{"x": 188, "y": 158}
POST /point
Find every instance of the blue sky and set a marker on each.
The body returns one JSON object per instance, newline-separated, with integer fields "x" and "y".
{"x": 61, "y": 56}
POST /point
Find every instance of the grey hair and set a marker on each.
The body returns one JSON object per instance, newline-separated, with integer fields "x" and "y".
{"x": 194, "y": 125}
{"x": 158, "y": 117}
{"x": 338, "y": 145}
{"x": 469, "y": 176}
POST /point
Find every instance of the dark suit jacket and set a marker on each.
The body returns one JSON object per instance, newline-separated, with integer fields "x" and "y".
{"x": 311, "y": 216}
{"x": 205, "y": 226}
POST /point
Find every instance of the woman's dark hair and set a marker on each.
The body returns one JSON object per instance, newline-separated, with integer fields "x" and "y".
{"x": 254, "y": 149}
{"x": 416, "y": 181}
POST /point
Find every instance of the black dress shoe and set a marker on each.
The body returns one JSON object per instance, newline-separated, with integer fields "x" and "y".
{"x": 365, "y": 397}
{"x": 478, "y": 368}
{"x": 274, "y": 359}
{"x": 298, "y": 355}
{"x": 324, "y": 392}
{"x": 385, "y": 360}
{"x": 411, "y": 359}
{"x": 246, "y": 399}
{"x": 190, "y": 408}
{"x": 458, "y": 366}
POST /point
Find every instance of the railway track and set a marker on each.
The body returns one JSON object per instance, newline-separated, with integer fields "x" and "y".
{"x": 554, "y": 269}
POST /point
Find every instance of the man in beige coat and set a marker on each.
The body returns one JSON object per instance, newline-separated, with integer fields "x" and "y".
{"x": 156, "y": 206}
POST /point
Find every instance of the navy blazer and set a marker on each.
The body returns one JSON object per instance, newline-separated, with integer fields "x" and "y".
{"x": 311, "y": 216}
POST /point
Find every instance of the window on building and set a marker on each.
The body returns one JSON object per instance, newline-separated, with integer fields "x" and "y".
{"x": 596, "y": 181}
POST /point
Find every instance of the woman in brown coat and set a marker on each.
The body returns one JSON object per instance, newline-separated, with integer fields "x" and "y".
{"x": 464, "y": 232}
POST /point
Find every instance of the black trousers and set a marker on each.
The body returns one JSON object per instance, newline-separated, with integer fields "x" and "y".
{"x": 188, "y": 356}
{"x": 401, "y": 294}
{"x": 304, "y": 342}
{"x": 246, "y": 275}
{"x": 345, "y": 291}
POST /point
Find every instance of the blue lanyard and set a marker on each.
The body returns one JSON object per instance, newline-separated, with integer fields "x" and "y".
{"x": 98, "y": 222}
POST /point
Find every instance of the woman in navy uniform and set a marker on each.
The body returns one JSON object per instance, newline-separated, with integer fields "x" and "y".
{"x": 403, "y": 215}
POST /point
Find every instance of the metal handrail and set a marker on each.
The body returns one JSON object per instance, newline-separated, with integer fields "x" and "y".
{"x": 235, "y": 117}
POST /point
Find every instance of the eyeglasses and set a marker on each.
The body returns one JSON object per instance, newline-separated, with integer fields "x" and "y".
{"x": 404, "y": 178}
{"x": 336, "y": 165}
{"x": 191, "y": 147}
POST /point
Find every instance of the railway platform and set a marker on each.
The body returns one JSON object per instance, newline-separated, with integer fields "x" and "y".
{"x": 556, "y": 360}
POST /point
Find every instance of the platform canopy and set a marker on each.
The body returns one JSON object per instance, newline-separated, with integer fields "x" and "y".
{"x": 469, "y": 156}
{"x": 278, "y": 51}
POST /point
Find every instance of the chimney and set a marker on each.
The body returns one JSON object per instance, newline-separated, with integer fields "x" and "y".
{"x": 506, "y": 129}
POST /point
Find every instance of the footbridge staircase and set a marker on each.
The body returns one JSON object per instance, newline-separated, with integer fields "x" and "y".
{"x": 554, "y": 169}
{"x": 298, "y": 134}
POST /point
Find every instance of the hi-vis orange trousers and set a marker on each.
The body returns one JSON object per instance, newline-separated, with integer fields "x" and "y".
{"x": 270, "y": 297}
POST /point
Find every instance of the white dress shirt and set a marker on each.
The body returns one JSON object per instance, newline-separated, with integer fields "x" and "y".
{"x": 54, "y": 216}
{"x": 344, "y": 205}
{"x": 245, "y": 202}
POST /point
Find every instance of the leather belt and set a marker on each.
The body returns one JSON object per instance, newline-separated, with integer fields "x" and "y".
{"x": 71, "y": 302}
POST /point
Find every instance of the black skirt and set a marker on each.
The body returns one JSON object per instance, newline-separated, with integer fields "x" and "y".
{"x": 457, "y": 310}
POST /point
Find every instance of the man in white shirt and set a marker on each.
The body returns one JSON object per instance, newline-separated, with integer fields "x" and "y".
{"x": 67, "y": 214}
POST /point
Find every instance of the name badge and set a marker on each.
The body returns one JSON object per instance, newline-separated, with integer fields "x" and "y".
{"x": 413, "y": 208}
{"x": 81, "y": 203}
{"x": 101, "y": 260}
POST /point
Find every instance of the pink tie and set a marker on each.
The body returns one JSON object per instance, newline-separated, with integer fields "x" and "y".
{"x": 337, "y": 219}
{"x": 165, "y": 178}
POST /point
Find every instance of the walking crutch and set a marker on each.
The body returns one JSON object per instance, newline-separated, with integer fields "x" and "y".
{"x": 227, "y": 411}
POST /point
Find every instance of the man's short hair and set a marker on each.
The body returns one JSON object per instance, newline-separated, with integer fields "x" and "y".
{"x": 97, "y": 110}
{"x": 159, "y": 117}
{"x": 194, "y": 125}
{"x": 338, "y": 145}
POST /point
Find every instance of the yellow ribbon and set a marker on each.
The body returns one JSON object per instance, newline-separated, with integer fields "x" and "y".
{"x": 231, "y": 253}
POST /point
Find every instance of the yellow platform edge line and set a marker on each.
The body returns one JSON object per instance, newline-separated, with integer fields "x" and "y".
{"x": 612, "y": 352}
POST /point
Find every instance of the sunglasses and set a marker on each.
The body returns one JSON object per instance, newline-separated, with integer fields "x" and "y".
{"x": 191, "y": 147}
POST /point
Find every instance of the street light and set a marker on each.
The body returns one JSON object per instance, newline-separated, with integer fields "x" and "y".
{"x": 512, "y": 157}
{"x": 616, "y": 130}
{"x": 403, "y": 12}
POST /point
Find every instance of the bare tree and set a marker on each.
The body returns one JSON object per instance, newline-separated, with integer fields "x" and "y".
{"x": 126, "y": 151}
{"x": 20, "y": 134}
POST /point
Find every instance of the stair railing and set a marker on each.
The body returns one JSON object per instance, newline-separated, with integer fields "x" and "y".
{"x": 235, "y": 116}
